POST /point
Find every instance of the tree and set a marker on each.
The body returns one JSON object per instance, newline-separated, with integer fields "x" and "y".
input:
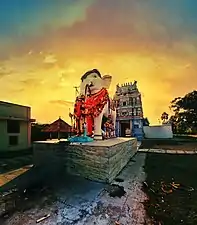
{"x": 36, "y": 132}
{"x": 185, "y": 113}
{"x": 164, "y": 117}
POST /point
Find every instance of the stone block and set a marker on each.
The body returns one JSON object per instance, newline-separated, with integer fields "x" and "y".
{"x": 99, "y": 160}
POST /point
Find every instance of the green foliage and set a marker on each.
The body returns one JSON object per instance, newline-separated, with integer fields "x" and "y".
{"x": 184, "y": 119}
{"x": 36, "y": 132}
{"x": 164, "y": 117}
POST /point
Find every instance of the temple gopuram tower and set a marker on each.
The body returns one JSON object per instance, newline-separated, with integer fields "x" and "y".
{"x": 129, "y": 120}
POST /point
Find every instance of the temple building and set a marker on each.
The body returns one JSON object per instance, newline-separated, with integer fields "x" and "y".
{"x": 129, "y": 120}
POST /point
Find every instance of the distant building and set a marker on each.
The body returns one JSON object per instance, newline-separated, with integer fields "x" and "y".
{"x": 129, "y": 120}
{"x": 58, "y": 129}
{"x": 15, "y": 126}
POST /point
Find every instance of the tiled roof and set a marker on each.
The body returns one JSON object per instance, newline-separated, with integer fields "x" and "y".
{"x": 58, "y": 126}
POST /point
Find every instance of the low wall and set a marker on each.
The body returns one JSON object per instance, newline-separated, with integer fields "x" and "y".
{"x": 99, "y": 161}
{"x": 161, "y": 131}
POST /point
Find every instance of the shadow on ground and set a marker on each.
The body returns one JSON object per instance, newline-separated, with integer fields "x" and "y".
{"x": 74, "y": 200}
{"x": 38, "y": 188}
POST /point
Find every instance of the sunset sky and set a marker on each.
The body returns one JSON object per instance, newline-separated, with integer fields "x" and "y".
{"x": 46, "y": 45}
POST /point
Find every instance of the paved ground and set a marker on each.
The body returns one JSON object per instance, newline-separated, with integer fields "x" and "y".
{"x": 171, "y": 146}
{"x": 164, "y": 151}
{"x": 13, "y": 167}
{"x": 83, "y": 202}
{"x": 6, "y": 177}
{"x": 8, "y": 164}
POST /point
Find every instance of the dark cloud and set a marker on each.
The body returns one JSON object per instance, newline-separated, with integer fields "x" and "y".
{"x": 122, "y": 26}
{"x": 126, "y": 26}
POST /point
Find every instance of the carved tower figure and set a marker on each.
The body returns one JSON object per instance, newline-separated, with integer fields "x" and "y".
{"x": 129, "y": 120}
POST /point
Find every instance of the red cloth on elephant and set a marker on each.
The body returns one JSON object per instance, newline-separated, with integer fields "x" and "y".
{"x": 79, "y": 106}
{"x": 90, "y": 124}
{"x": 77, "y": 109}
{"x": 89, "y": 109}
{"x": 94, "y": 105}
{"x": 79, "y": 113}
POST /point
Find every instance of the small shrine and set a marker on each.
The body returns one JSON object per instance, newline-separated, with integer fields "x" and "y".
{"x": 58, "y": 127}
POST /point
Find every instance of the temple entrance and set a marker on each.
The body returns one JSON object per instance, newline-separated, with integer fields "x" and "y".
{"x": 125, "y": 128}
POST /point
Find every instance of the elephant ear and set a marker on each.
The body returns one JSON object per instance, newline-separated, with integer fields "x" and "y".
{"x": 107, "y": 81}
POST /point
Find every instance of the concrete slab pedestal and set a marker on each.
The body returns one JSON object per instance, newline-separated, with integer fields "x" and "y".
{"x": 98, "y": 160}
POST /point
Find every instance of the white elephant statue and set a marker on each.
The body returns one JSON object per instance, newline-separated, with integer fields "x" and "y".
{"x": 94, "y": 87}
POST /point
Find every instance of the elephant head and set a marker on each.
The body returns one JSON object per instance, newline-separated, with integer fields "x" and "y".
{"x": 94, "y": 82}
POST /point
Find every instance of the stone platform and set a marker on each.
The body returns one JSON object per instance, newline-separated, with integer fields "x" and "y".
{"x": 98, "y": 160}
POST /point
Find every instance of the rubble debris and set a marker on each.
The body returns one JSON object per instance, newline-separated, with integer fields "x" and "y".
{"x": 9, "y": 192}
{"x": 174, "y": 186}
{"x": 106, "y": 216}
{"x": 146, "y": 186}
{"x": 43, "y": 218}
{"x": 181, "y": 187}
{"x": 166, "y": 188}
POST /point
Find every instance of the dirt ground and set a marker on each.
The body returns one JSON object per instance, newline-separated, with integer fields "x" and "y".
{"x": 74, "y": 200}
{"x": 171, "y": 203}
{"x": 168, "y": 203}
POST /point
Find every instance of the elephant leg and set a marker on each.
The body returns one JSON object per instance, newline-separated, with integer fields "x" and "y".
{"x": 97, "y": 127}
{"x": 78, "y": 127}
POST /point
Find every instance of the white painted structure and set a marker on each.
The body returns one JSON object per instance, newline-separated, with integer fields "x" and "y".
{"x": 161, "y": 131}
{"x": 96, "y": 83}
{"x": 15, "y": 126}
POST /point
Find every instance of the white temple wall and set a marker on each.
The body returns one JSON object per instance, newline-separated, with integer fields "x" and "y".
{"x": 160, "y": 131}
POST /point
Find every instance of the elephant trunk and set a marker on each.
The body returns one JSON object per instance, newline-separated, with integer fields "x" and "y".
{"x": 87, "y": 88}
